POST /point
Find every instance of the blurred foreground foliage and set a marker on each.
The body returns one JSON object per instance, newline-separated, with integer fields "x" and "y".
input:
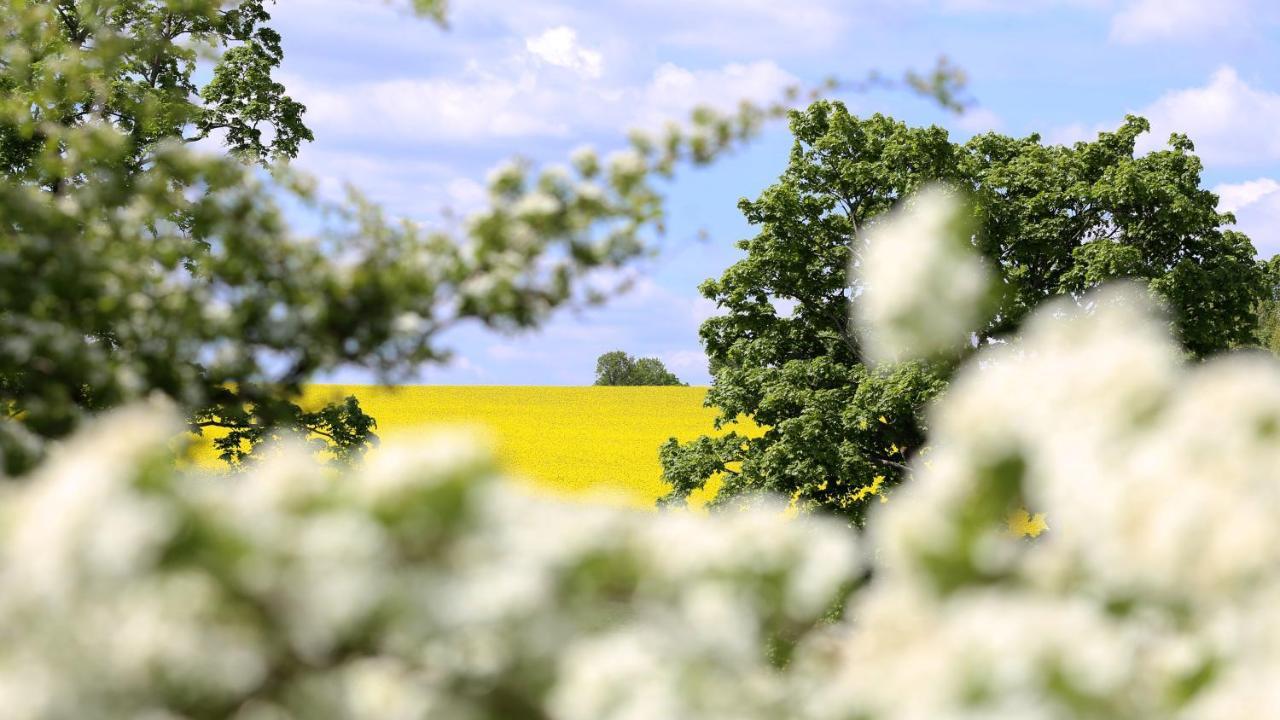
{"x": 135, "y": 262}
{"x": 419, "y": 585}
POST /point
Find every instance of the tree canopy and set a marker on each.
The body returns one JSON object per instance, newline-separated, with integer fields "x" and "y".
{"x": 1050, "y": 219}
{"x": 619, "y": 368}
{"x": 134, "y": 262}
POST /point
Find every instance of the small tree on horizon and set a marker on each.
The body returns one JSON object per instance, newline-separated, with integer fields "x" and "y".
{"x": 619, "y": 368}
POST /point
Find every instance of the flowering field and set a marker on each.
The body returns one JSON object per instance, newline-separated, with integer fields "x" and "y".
{"x": 600, "y": 442}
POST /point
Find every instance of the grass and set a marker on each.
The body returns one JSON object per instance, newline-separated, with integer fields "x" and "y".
{"x": 597, "y": 442}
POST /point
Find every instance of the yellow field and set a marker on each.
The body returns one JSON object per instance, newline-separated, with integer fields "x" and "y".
{"x": 600, "y": 442}
{"x": 584, "y": 442}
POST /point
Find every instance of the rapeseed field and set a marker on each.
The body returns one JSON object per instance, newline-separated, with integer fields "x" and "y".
{"x": 599, "y": 443}
{"x": 587, "y": 443}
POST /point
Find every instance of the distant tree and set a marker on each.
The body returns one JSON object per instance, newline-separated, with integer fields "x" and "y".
{"x": 619, "y": 368}
{"x": 651, "y": 371}
{"x": 1051, "y": 220}
{"x": 614, "y": 368}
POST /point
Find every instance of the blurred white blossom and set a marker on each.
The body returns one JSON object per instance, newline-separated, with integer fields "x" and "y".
{"x": 923, "y": 285}
{"x": 424, "y": 585}
{"x": 1152, "y": 596}
{"x": 421, "y": 585}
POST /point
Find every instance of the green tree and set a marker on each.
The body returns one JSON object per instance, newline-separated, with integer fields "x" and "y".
{"x": 619, "y": 368}
{"x": 133, "y": 264}
{"x": 651, "y": 371}
{"x": 614, "y": 368}
{"x": 1269, "y": 310}
{"x": 1052, "y": 219}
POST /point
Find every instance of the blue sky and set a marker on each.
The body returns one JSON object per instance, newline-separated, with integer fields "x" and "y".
{"x": 415, "y": 116}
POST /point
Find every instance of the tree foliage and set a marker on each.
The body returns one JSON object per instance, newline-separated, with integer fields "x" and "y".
{"x": 1052, "y": 220}
{"x": 619, "y": 368}
{"x": 1269, "y": 309}
{"x": 132, "y": 263}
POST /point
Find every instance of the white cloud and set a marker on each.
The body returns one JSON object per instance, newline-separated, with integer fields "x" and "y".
{"x": 1139, "y": 21}
{"x": 1256, "y": 205}
{"x": 405, "y": 185}
{"x": 518, "y": 101}
{"x": 648, "y": 320}
{"x": 1156, "y": 20}
{"x": 674, "y": 90}
{"x": 467, "y": 195}
{"x": 1070, "y": 134}
{"x": 979, "y": 120}
{"x": 559, "y": 46}
{"x": 437, "y": 109}
{"x": 685, "y": 363}
{"x": 1230, "y": 121}
{"x": 702, "y": 309}
{"x": 1237, "y": 196}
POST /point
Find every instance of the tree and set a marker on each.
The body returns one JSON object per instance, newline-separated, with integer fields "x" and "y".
{"x": 614, "y": 368}
{"x": 133, "y": 264}
{"x": 1269, "y": 310}
{"x": 619, "y": 368}
{"x": 1051, "y": 219}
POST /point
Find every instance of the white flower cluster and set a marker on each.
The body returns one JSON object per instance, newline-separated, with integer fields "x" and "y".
{"x": 923, "y": 287}
{"x": 422, "y": 586}
{"x": 1153, "y": 594}
{"x": 419, "y": 586}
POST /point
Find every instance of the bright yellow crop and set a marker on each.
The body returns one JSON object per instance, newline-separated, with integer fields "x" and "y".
{"x": 600, "y": 442}
{"x": 594, "y": 442}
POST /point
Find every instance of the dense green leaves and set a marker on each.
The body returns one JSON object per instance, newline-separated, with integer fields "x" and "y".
{"x": 1063, "y": 219}
{"x": 1269, "y": 309}
{"x": 1051, "y": 219}
{"x": 619, "y": 368}
{"x": 131, "y": 264}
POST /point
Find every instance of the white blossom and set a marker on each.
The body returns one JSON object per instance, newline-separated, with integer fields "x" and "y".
{"x": 923, "y": 285}
{"x": 425, "y": 583}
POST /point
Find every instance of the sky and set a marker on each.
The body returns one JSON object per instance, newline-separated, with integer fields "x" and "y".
{"x": 415, "y": 116}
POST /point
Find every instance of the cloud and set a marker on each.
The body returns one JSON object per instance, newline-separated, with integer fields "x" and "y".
{"x": 559, "y": 47}
{"x": 517, "y": 99}
{"x": 685, "y": 363}
{"x": 1256, "y": 205}
{"x": 674, "y": 90}
{"x": 650, "y": 320}
{"x": 466, "y": 195}
{"x": 406, "y": 186}
{"x": 478, "y": 106}
{"x": 979, "y": 120}
{"x": 1230, "y": 121}
{"x": 377, "y": 132}
{"x": 1139, "y": 21}
{"x": 1233, "y": 197}
{"x": 1071, "y": 134}
{"x": 1162, "y": 20}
